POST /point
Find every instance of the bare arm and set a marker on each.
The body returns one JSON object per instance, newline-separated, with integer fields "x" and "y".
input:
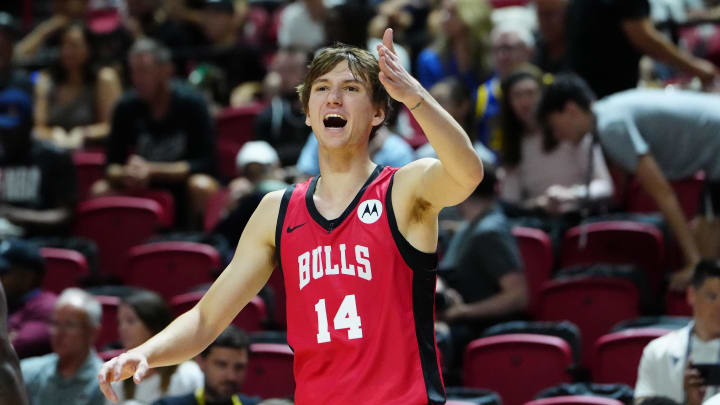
{"x": 12, "y": 390}
{"x": 513, "y": 297}
{"x": 37, "y": 219}
{"x": 32, "y": 42}
{"x": 108, "y": 91}
{"x": 449, "y": 180}
{"x": 652, "y": 180}
{"x": 169, "y": 171}
{"x": 193, "y": 331}
{"x": 646, "y": 38}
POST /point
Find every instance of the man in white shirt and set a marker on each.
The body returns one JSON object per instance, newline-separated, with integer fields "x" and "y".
{"x": 666, "y": 364}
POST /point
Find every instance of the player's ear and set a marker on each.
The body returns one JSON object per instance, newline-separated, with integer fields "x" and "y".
{"x": 379, "y": 117}
{"x": 307, "y": 119}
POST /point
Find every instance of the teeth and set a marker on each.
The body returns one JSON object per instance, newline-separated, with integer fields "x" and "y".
{"x": 335, "y": 116}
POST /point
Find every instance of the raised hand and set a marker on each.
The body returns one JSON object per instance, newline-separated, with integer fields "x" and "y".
{"x": 119, "y": 368}
{"x": 399, "y": 84}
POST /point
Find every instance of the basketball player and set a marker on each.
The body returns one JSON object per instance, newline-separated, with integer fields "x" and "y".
{"x": 356, "y": 246}
{"x": 12, "y": 390}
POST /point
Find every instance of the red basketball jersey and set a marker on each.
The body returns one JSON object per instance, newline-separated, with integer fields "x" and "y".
{"x": 360, "y": 301}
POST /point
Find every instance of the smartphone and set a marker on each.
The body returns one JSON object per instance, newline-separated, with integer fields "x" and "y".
{"x": 710, "y": 372}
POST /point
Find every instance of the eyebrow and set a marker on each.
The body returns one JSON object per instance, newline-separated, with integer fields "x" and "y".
{"x": 343, "y": 82}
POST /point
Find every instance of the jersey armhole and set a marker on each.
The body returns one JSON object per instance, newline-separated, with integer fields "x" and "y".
{"x": 415, "y": 259}
{"x": 280, "y": 221}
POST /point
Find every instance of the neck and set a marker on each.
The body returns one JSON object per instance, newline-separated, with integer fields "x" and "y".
{"x": 703, "y": 333}
{"x": 461, "y": 49}
{"x": 342, "y": 173}
{"x": 161, "y": 101}
{"x": 74, "y": 77}
{"x": 68, "y": 366}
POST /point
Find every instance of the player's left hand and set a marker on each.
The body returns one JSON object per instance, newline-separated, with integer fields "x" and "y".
{"x": 399, "y": 84}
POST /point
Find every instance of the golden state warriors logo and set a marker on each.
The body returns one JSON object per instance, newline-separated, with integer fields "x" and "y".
{"x": 369, "y": 211}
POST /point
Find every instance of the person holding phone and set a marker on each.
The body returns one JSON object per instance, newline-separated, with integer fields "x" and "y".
{"x": 684, "y": 365}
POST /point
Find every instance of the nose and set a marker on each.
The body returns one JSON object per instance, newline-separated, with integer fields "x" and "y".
{"x": 335, "y": 97}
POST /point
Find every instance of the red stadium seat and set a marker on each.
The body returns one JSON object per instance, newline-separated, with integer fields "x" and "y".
{"x": 108, "y": 328}
{"x": 509, "y": 3}
{"x": 166, "y": 201}
{"x": 617, "y": 355}
{"x": 516, "y": 366}
{"x": 89, "y": 168}
{"x": 250, "y": 319}
{"x": 270, "y": 371}
{"x": 116, "y": 224}
{"x": 537, "y": 255}
{"x": 617, "y": 242}
{"x": 676, "y": 304}
{"x": 235, "y": 126}
{"x": 688, "y": 191}
{"x": 277, "y": 283}
{"x": 63, "y": 268}
{"x": 595, "y": 305}
{"x": 214, "y": 208}
{"x": 171, "y": 268}
{"x": 575, "y": 400}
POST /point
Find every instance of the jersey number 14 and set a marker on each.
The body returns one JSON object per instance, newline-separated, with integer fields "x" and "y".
{"x": 345, "y": 318}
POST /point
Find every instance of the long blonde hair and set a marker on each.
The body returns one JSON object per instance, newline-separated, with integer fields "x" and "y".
{"x": 475, "y": 14}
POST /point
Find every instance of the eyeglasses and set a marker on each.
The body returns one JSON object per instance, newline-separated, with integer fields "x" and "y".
{"x": 66, "y": 326}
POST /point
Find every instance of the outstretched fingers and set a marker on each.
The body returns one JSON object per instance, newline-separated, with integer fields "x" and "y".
{"x": 388, "y": 39}
{"x": 105, "y": 377}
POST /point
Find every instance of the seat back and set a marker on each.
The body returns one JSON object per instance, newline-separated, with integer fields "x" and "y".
{"x": 250, "y": 319}
{"x": 108, "y": 326}
{"x": 270, "y": 371}
{"x": 676, "y": 304}
{"x": 171, "y": 268}
{"x": 235, "y": 126}
{"x": 89, "y": 168}
{"x": 522, "y": 365}
{"x": 617, "y": 355}
{"x": 536, "y": 251}
{"x": 688, "y": 191}
{"x": 63, "y": 268}
{"x": 116, "y": 224}
{"x": 595, "y": 305}
{"x": 616, "y": 242}
{"x": 214, "y": 208}
{"x": 575, "y": 400}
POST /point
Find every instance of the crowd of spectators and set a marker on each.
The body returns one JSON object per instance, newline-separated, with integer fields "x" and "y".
{"x": 567, "y": 102}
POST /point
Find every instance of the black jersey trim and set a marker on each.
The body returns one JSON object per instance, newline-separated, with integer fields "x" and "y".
{"x": 329, "y": 225}
{"x": 423, "y": 286}
{"x": 415, "y": 259}
{"x": 287, "y": 195}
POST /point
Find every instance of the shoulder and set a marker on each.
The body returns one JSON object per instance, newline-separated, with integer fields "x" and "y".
{"x": 189, "y": 375}
{"x": 671, "y": 343}
{"x": 428, "y": 55}
{"x": 107, "y": 75}
{"x": 411, "y": 173}
{"x": 32, "y": 367}
{"x": 186, "y": 93}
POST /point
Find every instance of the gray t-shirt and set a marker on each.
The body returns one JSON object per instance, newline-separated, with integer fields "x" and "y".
{"x": 480, "y": 253}
{"x": 46, "y": 386}
{"x": 681, "y": 130}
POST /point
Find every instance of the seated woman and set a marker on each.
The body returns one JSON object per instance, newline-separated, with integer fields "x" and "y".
{"x": 73, "y": 102}
{"x": 551, "y": 183}
{"x": 140, "y": 316}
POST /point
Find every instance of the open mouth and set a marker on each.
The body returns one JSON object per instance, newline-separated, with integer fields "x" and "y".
{"x": 334, "y": 121}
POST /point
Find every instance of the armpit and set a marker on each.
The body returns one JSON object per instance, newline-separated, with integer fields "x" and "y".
{"x": 419, "y": 210}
